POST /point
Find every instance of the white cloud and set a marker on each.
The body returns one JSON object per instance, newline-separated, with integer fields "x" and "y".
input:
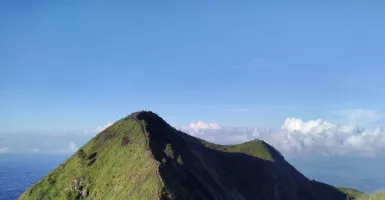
{"x": 3, "y": 150}
{"x": 322, "y": 136}
{"x": 298, "y": 136}
{"x": 294, "y": 124}
{"x": 204, "y": 125}
{"x": 98, "y": 129}
{"x": 200, "y": 127}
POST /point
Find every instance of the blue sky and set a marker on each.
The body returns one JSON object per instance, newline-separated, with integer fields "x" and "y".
{"x": 76, "y": 65}
{"x": 307, "y": 77}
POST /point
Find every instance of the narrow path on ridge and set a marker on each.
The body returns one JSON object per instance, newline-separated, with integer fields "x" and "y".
{"x": 148, "y": 150}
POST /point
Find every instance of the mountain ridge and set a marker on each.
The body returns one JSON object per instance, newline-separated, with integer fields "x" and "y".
{"x": 178, "y": 166}
{"x": 134, "y": 116}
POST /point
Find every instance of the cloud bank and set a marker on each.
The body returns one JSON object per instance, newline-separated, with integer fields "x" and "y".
{"x": 298, "y": 136}
{"x": 293, "y": 137}
{"x": 203, "y": 125}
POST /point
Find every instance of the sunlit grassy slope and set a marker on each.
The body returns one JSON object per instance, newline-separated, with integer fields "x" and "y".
{"x": 376, "y": 196}
{"x": 124, "y": 161}
{"x": 110, "y": 168}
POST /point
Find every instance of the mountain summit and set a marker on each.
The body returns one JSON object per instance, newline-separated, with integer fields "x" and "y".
{"x": 142, "y": 157}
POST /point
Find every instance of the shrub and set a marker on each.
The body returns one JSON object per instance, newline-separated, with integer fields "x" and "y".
{"x": 169, "y": 152}
{"x": 179, "y": 160}
{"x": 51, "y": 179}
{"x": 81, "y": 154}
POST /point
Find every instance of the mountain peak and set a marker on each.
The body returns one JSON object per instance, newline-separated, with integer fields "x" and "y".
{"x": 142, "y": 157}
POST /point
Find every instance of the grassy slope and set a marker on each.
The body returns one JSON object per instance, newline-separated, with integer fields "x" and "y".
{"x": 376, "y": 196}
{"x": 253, "y": 148}
{"x": 115, "y": 174}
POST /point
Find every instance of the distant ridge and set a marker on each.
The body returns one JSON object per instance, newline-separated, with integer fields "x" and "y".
{"x": 142, "y": 157}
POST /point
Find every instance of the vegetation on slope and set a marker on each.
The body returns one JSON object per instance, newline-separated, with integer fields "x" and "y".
{"x": 254, "y": 148}
{"x": 113, "y": 165}
{"x": 376, "y": 196}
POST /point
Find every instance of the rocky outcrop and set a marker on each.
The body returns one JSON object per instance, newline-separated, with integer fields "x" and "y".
{"x": 79, "y": 186}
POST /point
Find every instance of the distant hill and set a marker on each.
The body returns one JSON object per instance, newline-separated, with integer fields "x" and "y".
{"x": 142, "y": 157}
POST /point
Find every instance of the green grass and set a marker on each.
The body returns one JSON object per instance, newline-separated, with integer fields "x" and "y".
{"x": 253, "y": 148}
{"x": 116, "y": 172}
{"x": 376, "y": 196}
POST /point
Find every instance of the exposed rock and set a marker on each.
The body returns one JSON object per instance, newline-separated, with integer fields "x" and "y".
{"x": 79, "y": 186}
{"x": 84, "y": 193}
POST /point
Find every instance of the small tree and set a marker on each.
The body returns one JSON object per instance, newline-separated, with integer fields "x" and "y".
{"x": 169, "y": 152}
{"x": 179, "y": 160}
{"x": 81, "y": 154}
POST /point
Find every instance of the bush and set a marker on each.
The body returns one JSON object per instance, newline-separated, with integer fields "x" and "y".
{"x": 179, "y": 160}
{"x": 81, "y": 154}
{"x": 51, "y": 180}
{"x": 169, "y": 152}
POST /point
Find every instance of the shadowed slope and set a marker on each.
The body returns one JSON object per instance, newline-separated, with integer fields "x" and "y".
{"x": 252, "y": 170}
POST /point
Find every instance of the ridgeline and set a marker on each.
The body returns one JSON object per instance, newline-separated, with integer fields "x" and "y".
{"x": 142, "y": 157}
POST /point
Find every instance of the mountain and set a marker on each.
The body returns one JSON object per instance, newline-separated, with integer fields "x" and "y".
{"x": 142, "y": 157}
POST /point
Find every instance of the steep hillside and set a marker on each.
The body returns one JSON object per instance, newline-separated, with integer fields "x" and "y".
{"x": 142, "y": 157}
{"x": 113, "y": 165}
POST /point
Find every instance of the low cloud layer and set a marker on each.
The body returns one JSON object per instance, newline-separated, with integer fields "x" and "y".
{"x": 298, "y": 136}
{"x": 199, "y": 128}
{"x": 294, "y": 136}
